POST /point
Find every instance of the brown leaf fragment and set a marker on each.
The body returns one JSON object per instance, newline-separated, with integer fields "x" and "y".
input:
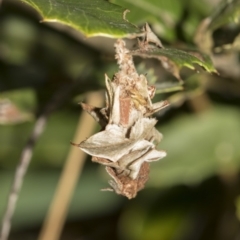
{"x": 109, "y": 92}
{"x": 156, "y": 107}
{"x": 105, "y": 162}
{"x": 12, "y": 114}
{"x": 154, "y": 136}
{"x": 141, "y": 128}
{"x": 150, "y": 36}
{"x": 110, "y": 144}
{"x": 99, "y": 114}
{"x": 125, "y": 108}
{"x": 126, "y": 186}
{"x": 149, "y": 156}
{"x": 115, "y": 115}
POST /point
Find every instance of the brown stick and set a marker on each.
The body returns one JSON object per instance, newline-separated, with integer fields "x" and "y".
{"x": 56, "y": 216}
{"x": 26, "y": 157}
{"x": 19, "y": 176}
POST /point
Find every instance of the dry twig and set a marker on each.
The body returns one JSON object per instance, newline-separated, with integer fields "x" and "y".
{"x": 19, "y": 176}
{"x": 58, "y": 210}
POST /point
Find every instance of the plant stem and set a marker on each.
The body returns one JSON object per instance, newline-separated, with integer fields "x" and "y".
{"x": 57, "y": 213}
{"x": 19, "y": 176}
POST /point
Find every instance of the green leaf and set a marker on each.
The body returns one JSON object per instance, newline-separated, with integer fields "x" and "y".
{"x": 198, "y": 147}
{"x": 174, "y": 59}
{"x": 224, "y": 21}
{"x": 163, "y": 225}
{"x": 167, "y": 214}
{"x": 227, "y": 12}
{"x": 162, "y": 15}
{"x": 92, "y": 18}
{"x": 237, "y": 203}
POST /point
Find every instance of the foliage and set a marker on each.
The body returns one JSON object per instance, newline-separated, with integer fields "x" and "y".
{"x": 93, "y": 18}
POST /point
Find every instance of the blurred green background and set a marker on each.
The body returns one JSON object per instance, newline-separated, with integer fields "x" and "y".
{"x": 192, "y": 194}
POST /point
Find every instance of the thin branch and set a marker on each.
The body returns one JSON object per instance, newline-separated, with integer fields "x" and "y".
{"x": 19, "y": 175}
{"x": 25, "y": 160}
{"x": 58, "y": 210}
